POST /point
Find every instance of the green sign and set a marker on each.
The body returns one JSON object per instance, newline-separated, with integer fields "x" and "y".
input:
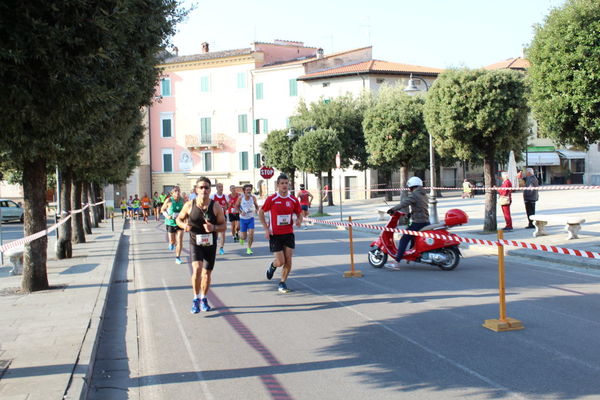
{"x": 537, "y": 149}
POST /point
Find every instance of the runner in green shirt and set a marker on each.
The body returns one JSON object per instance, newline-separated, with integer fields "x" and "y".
{"x": 171, "y": 209}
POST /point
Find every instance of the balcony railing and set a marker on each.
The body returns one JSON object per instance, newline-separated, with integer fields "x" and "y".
{"x": 205, "y": 141}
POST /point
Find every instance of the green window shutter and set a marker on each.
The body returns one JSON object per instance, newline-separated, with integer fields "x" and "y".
{"x": 265, "y": 125}
{"x": 293, "y": 87}
{"x": 243, "y": 123}
{"x": 244, "y": 160}
{"x": 207, "y": 161}
{"x": 167, "y": 162}
{"x": 166, "y": 127}
{"x": 205, "y": 131}
{"x": 257, "y": 160}
{"x": 241, "y": 80}
{"x": 256, "y": 127}
{"x": 204, "y": 84}
{"x": 259, "y": 91}
{"x": 165, "y": 87}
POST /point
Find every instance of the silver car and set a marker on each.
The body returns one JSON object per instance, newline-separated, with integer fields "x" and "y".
{"x": 11, "y": 211}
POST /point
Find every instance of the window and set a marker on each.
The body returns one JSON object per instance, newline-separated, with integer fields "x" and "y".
{"x": 325, "y": 84}
{"x": 257, "y": 160}
{"x": 204, "y": 84}
{"x": 207, "y": 160}
{"x": 259, "y": 91}
{"x": 165, "y": 87}
{"x": 261, "y": 126}
{"x": 380, "y": 81}
{"x": 243, "y": 160}
{"x": 241, "y": 80}
{"x": 293, "y": 87}
{"x": 167, "y": 158}
{"x": 205, "y": 131}
{"x": 578, "y": 166}
{"x": 243, "y": 123}
{"x": 166, "y": 125}
{"x": 326, "y": 101}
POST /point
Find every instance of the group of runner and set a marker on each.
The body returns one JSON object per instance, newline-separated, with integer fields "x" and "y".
{"x": 134, "y": 206}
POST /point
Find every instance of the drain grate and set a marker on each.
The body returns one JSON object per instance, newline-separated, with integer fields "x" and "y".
{"x": 122, "y": 281}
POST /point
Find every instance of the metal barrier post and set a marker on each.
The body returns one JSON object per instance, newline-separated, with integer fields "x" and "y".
{"x": 352, "y": 273}
{"x": 503, "y": 323}
{"x": 112, "y": 222}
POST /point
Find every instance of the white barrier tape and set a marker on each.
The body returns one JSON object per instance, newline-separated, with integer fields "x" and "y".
{"x": 493, "y": 188}
{"x": 504, "y": 242}
{"x": 23, "y": 241}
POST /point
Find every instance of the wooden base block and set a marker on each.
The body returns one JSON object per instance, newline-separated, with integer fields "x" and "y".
{"x": 353, "y": 274}
{"x": 510, "y": 324}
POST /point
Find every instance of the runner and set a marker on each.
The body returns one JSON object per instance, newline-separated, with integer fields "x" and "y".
{"x": 156, "y": 205}
{"x": 305, "y": 201}
{"x": 223, "y": 201}
{"x": 130, "y": 207}
{"x": 146, "y": 204}
{"x": 136, "y": 204}
{"x": 123, "y": 207}
{"x": 202, "y": 218}
{"x": 247, "y": 205}
{"x": 280, "y": 231}
{"x": 234, "y": 213}
{"x": 171, "y": 209}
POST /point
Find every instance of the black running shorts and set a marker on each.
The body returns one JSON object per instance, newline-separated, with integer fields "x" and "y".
{"x": 278, "y": 242}
{"x": 207, "y": 254}
{"x": 234, "y": 217}
{"x": 173, "y": 229}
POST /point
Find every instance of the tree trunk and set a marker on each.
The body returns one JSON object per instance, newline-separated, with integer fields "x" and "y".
{"x": 64, "y": 247}
{"x": 35, "y": 275}
{"x": 403, "y": 194}
{"x": 99, "y": 196}
{"x": 489, "y": 220}
{"x": 320, "y": 184}
{"x": 389, "y": 195}
{"x": 330, "y": 193}
{"x": 85, "y": 199}
{"x": 77, "y": 219}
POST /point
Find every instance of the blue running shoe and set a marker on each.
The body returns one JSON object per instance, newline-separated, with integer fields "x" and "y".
{"x": 178, "y": 260}
{"x": 221, "y": 251}
{"x": 195, "y": 306}
{"x": 283, "y": 288}
{"x": 270, "y": 272}
{"x": 171, "y": 247}
{"x": 204, "y": 305}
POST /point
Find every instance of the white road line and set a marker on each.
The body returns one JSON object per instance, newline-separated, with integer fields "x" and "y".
{"x": 188, "y": 346}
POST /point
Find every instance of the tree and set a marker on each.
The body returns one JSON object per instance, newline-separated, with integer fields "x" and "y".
{"x": 395, "y": 133}
{"x": 277, "y": 149}
{"x": 314, "y": 152}
{"x": 474, "y": 113}
{"x": 565, "y": 73}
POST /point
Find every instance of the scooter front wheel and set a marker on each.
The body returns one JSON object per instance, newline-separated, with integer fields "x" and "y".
{"x": 377, "y": 258}
{"x": 452, "y": 257}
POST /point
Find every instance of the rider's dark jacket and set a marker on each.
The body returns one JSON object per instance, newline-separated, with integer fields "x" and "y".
{"x": 417, "y": 200}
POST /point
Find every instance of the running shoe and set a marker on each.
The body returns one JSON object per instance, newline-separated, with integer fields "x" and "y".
{"x": 221, "y": 251}
{"x": 171, "y": 247}
{"x": 235, "y": 238}
{"x": 249, "y": 251}
{"x": 242, "y": 242}
{"x": 195, "y": 306}
{"x": 393, "y": 265}
{"x": 178, "y": 260}
{"x": 305, "y": 227}
{"x": 204, "y": 305}
{"x": 283, "y": 288}
{"x": 270, "y": 271}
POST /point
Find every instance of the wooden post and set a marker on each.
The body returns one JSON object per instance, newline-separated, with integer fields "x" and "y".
{"x": 352, "y": 272}
{"x": 503, "y": 323}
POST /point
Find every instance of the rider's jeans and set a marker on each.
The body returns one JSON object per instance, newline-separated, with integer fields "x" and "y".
{"x": 406, "y": 239}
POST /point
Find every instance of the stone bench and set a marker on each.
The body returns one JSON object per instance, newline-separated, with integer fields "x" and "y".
{"x": 572, "y": 224}
{"x": 15, "y": 255}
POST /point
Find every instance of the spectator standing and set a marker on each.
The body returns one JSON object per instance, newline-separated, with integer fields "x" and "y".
{"x": 467, "y": 189}
{"x": 530, "y": 196}
{"x": 505, "y": 200}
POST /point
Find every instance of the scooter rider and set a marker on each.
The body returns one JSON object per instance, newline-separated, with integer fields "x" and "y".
{"x": 419, "y": 211}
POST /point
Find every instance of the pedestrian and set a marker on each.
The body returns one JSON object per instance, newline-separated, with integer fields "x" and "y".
{"x": 223, "y": 201}
{"x": 305, "y": 201}
{"x": 467, "y": 189}
{"x": 192, "y": 195}
{"x": 326, "y": 193}
{"x": 419, "y": 214}
{"x": 123, "y": 207}
{"x": 248, "y": 206}
{"x": 202, "y": 218}
{"x": 505, "y": 200}
{"x": 281, "y": 207}
{"x": 130, "y": 207}
{"x": 530, "y": 196}
{"x": 136, "y": 204}
{"x": 156, "y": 205}
{"x": 171, "y": 209}
{"x": 234, "y": 213}
{"x": 146, "y": 205}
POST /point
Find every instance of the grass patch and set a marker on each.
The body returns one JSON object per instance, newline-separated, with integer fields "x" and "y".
{"x": 319, "y": 215}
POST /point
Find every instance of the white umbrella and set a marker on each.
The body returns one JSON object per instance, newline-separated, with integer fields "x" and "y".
{"x": 512, "y": 169}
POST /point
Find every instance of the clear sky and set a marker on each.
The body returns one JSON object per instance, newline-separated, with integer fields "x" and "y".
{"x": 433, "y": 33}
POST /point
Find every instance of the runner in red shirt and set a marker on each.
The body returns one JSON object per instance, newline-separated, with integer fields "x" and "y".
{"x": 223, "y": 201}
{"x": 305, "y": 200}
{"x": 234, "y": 212}
{"x": 280, "y": 231}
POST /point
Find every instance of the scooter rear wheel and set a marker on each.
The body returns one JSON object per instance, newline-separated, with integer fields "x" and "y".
{"x": 377, "y": 258}
{"x": 452, "y": 258}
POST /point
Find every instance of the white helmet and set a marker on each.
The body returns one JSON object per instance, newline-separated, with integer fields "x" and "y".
{"x": 414, "y": 181}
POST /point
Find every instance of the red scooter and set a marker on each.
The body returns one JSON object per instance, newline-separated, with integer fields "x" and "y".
{"x": 443, "y": 253}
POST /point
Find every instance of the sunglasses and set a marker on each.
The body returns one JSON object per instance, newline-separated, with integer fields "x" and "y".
{"x": 203, "y": 187}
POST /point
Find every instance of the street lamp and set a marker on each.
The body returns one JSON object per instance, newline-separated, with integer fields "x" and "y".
{"x": 411, "y": 87}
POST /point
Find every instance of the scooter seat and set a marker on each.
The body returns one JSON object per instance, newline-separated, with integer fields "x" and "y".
{"x": 433, "y": 227}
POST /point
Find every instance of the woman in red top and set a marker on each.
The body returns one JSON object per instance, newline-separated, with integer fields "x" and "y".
{"x": 506, "y": 197}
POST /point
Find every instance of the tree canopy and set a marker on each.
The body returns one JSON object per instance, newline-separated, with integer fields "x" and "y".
{"x": 277, "y": 149}
{"x": 565, "y": 73}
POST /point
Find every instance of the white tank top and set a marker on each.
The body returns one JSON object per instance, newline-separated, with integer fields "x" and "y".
{"x": 248, "y": 207}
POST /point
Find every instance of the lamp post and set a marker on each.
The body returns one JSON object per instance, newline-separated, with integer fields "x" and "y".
{"x": 433, "y": 215}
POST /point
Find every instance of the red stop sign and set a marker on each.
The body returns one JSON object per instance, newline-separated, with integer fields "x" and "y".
{"x": 267, "y": 172}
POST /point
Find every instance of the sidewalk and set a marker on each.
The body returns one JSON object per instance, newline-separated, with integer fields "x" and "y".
{"x": 583, "y": 203}
{"x": 48, "y": 338}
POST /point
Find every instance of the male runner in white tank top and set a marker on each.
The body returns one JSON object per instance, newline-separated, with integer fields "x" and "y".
{"x": 248, "y": 207}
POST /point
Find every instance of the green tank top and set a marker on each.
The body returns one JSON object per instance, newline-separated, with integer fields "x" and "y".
{"x": 162, "y": 198}
{"x": 174, "y": 208}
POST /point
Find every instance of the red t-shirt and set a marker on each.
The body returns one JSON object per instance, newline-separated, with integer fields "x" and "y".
{"x": 232, "y": 202}
{"x": 303, "y": 196}
{"x": 222, "y": 200}
{"x": 281, "y": 210}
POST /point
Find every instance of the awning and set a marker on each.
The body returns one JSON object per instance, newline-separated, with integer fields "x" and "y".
{"x": 571, "y": 155}
{"x": 542, "y": 158}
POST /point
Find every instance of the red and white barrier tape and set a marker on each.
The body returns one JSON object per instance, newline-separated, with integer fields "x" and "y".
{"x": 28, "y": 239}
{"x": 493, "y": 188}
{"x": 504, "y": 242}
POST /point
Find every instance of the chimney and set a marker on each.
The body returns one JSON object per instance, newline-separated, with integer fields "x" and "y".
{"x": 319, "y": 53}
{"x": 204, "y": 47}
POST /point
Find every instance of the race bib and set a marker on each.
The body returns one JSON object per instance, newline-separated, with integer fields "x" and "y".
{"x": 283, "y": 220}
{"x": 204, "y": 239}
{"x": 175, "y": 215}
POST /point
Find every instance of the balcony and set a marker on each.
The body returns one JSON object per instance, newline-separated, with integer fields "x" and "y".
{"x": 205, "y": 141}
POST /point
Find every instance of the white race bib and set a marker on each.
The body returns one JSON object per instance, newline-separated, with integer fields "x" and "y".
{"x": 283, "y": 220}
{"x": 204, "y": 239}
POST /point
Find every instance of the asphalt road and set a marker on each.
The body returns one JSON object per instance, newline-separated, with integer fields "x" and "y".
{"x": 409, "y": 334}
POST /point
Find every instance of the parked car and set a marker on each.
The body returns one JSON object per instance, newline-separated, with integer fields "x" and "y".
{"x": 11, "y": 211}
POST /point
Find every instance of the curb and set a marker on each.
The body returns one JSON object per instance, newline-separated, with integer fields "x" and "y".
{"x": 84, "y": 365}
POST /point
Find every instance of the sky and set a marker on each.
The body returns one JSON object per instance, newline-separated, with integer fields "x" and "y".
{"x": 432, "y": 33}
